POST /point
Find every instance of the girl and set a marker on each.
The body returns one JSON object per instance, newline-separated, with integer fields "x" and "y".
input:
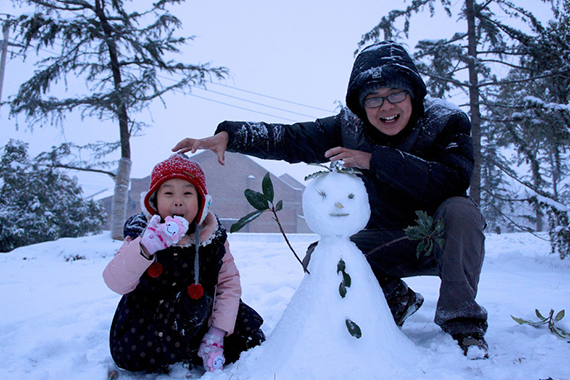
{"x": 181, "y": 289}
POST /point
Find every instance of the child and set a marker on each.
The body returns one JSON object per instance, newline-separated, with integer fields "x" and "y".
{"x": 181, "y": 288}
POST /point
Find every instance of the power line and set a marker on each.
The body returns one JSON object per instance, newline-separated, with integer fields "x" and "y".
{"x": 257, "y": 103}
{"x": 241, "y": 108}
{"x": 253, "y": 102}
{"x": 239, "y": 98}
{"x": 242, "y": 99}
{"x": 228, "y": 104}
{"x": 271, "y": 97}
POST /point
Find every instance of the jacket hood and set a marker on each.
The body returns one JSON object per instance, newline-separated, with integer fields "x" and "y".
{"x": 385, "y": 64}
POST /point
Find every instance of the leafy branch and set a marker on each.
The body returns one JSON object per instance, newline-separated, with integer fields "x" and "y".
{"x": 427, "y": 230}
{"x": 550, "y": 321}
{"x": 263, "y": 202}
{"x": 335, "y": 167}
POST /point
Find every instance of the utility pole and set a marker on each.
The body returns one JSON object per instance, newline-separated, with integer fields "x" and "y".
{"x": 5, "y": 42}
{"x": 4, "y": 53}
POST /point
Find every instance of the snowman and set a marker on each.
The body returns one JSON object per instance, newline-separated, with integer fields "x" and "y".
{"x": 338, "y": 318}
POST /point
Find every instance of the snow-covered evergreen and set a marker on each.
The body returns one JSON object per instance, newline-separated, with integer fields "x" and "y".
{"x": 38, "y": 203}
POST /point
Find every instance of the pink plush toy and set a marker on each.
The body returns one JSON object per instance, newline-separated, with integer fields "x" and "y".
{"x": 158, "y": 236}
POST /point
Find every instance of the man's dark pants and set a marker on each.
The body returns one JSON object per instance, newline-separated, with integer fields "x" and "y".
{"x": 458, "y": 264}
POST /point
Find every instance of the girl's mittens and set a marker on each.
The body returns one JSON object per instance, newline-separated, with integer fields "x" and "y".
{"x": 212, "y": 349}
{"x": 158, "y": 236}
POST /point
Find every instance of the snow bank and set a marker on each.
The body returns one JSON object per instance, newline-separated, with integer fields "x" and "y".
{"x": 56, "y": 311}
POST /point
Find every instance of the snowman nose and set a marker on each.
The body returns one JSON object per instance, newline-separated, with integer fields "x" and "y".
{"x": 339, "y": 205}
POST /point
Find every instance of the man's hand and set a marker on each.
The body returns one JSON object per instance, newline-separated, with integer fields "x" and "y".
{"x": 217, "y": 144}
{"x": 352, "y": 158}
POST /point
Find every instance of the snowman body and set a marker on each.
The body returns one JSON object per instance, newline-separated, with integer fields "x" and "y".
{"x": 313, "y": 333}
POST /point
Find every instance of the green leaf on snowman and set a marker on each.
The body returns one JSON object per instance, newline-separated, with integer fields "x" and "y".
{"x": 245, "y": 220}
{"x": 341, "y": 266}
{"x": 257, "y": 200}
{"x": 342, "y": 290}
{"x": 346, "y": 280}
{"x": 267, "y": 187}
{"x": 334, "y": 167}
{"x": 353, "y": 329}
{"x": 428, "y": 231}
{"x": 279, "y": 206}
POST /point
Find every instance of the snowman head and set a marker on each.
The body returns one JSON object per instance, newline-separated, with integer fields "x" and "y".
{"x": 336, "y": 204}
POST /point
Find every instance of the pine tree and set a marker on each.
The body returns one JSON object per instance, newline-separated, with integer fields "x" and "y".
{"x": 122, "y": 54}
{"x": 467, "y": 60}
{"x": 534, "y": 117}
{"x": 525, "y": 110}
{"x": 40, "y": 204}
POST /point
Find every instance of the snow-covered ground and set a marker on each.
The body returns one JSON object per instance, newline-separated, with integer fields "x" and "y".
{"x": 56, "y": 310}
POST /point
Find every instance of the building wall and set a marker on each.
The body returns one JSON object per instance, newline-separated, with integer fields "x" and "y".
{"x": 226, "y": 184}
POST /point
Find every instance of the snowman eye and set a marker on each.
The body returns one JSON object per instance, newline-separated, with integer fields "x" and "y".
{"x": 322, "y": 193}
{"x": 350, "y": 196}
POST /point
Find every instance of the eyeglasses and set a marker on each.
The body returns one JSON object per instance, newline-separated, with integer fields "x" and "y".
{"x": 377, "y": 101}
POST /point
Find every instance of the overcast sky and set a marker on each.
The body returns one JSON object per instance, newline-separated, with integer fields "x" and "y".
{"x": 297, "y": 50}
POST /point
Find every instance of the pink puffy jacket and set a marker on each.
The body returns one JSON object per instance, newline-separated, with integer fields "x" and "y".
{"x": 123, "y": 272}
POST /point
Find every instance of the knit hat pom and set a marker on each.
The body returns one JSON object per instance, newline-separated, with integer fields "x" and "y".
{"x": 178, "y": 166}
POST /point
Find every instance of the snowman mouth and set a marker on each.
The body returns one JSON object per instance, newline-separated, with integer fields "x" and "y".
{"x": 338, "y": 214}
{"x": 390, "y": 119}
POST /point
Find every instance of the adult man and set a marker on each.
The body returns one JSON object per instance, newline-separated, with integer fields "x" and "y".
{"x": 414, "y": 154}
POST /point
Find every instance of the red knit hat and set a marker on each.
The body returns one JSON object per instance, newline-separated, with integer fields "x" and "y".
{"x": 179, "y": 166}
